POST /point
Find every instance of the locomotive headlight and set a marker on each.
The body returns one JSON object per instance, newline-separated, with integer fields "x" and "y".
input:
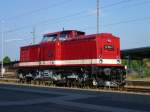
{"x": 101, "y": 61}
{"x": 118, "y": 61}
{"x": 109, "y": 40}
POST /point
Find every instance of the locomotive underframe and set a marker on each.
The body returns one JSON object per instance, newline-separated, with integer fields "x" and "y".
{"x": 77, "y": 75}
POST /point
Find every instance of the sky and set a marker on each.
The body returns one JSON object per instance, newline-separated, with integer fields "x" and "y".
{"x": 127, "y": 19}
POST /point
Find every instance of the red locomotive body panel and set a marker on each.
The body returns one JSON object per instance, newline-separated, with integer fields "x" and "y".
{"x": 77, "y": 49}
{"x": 47, "y": 51}
{"x": 109, "y": 46}
{"x": 90, "y": 49}
{"x": 30, "y": 53}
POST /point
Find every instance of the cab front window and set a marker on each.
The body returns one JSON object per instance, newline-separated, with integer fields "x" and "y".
{"x": 49, "y": 38}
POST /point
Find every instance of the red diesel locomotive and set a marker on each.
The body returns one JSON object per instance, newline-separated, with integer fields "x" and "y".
{"x": 72, "y": 58}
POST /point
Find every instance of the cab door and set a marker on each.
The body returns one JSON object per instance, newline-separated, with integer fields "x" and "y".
{"x": 48, "y": 51}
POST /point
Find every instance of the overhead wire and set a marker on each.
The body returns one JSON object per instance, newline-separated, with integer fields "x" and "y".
{"x": 116, "y": 3}
{"x": 45, "y": 21}
{"x": 136, "y": 4}
{"x": 38, "y": 10}
{"x": 122, "y": 22}
{"x": 67, "y": 16}
{"x": 80, "y": 14}
{"x": 128, "y": 21}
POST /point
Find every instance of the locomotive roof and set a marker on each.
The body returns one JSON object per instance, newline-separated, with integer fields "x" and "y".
{"x": 64, "y": 31}
{"x": 102, "y": 34}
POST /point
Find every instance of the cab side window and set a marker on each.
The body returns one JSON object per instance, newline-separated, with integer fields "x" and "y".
{"x": 63, "y": 36}
{"x": 49, "y": 38}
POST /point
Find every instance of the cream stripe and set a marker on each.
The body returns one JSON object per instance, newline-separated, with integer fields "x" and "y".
{"x": 70, "y": 62}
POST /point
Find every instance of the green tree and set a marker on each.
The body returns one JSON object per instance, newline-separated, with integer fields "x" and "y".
{"x": 6, "y": 60}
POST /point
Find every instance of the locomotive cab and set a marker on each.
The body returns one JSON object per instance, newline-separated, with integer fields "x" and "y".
{"x": 70, "y": 34}
{"x": 62, "y": 36}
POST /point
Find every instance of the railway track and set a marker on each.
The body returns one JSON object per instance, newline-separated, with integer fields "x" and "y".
{"x": 137, "y": 89}
{"x": 140, "y": 83}
{"x": 131, "y": 86}
{"x": 138, "y": 86}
